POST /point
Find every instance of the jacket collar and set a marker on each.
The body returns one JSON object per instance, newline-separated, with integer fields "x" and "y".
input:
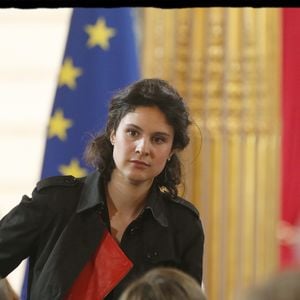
{"x": 93, "y": 194}
{"x": 156, "y": 204}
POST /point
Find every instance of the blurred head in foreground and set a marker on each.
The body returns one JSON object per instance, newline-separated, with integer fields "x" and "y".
{"x": 164, "y": 284}
{"x": 282, "y": 286}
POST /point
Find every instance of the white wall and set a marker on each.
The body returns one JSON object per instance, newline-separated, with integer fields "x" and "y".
{"x": 31, "y": 47}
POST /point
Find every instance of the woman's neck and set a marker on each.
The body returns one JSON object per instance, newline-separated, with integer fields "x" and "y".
{"x": 126, "y": 197}
{"x": 125, "y": 202}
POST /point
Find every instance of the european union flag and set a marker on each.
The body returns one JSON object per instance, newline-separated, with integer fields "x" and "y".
{"x": 100, "y": 58}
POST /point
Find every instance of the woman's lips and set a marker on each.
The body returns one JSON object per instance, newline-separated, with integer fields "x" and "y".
{"x": 139, "y": 163}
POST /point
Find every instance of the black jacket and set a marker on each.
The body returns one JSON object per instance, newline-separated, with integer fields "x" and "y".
{"x": 59, "y": 230}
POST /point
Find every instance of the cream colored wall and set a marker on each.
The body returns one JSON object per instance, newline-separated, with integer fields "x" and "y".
{"x": 31, "y": 47}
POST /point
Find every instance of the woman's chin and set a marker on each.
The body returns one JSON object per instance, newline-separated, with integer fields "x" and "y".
{"x": 138, "y": 179}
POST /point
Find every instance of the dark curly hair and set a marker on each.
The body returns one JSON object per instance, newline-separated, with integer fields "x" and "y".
{"x": 145, "y": 92}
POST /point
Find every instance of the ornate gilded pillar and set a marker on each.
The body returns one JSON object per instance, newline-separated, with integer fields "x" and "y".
{"x": 225, "y": 62}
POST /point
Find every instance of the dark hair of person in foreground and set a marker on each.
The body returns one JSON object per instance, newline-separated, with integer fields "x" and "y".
{"x": 164, "y": 283}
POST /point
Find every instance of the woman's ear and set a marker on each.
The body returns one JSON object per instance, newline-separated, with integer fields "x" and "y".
{"x": 171, "y": 154}
{"x": 112, "y": 137}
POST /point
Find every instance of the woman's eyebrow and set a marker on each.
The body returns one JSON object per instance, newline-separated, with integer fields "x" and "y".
{"x": 133, "y": 125}
{"x": 139, "y": 128}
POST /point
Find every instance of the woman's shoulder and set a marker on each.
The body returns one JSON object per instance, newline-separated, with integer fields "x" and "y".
{"x": 181, "y": 204}
{"x": 183, "y": 215}
{"x": 57, "y": 192}
{"x": 58, "y": 181}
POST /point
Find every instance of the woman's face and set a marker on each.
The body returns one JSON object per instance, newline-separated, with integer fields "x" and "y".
{"x": 142, "y": 144}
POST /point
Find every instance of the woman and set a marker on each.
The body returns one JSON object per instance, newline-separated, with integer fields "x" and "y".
{"x": 132, "y": 195}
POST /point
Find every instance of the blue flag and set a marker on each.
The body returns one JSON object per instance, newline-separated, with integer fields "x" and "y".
{"x": 99, "y": 59}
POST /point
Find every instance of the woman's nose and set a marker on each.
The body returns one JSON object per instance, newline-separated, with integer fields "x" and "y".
{"x": 142, "y": 147}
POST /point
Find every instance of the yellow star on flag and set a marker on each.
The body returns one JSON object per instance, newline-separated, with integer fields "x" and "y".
{"x": 73, "y": 169}
{"x": 59, "y": 125}
{"x": 68, "y": 74}
{"x": 99, "y": 34}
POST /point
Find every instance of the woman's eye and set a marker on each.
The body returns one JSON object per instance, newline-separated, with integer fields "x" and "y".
{"x": 159, "y": 140}
{"x": 132, "y": 132}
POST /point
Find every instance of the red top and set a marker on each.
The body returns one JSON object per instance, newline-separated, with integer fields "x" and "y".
{"x": 106, "y": 268}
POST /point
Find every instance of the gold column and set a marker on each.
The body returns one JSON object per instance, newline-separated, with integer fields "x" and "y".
{"x": 213, "y": 144}
{"x": 249, "y": 139}
{"x": 225, "y": 62}
{"x": 233, "y": 133}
